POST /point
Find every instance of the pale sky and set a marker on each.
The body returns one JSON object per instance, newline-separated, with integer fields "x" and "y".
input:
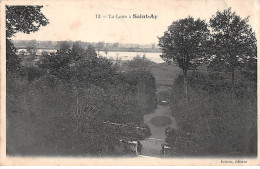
{"x": 76, "y": 20}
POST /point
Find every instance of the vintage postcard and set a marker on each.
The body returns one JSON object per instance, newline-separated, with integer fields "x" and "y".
{"x": 129, "y": 82}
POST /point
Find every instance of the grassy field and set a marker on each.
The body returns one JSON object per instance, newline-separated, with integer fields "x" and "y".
{"x": 164, "y": 75}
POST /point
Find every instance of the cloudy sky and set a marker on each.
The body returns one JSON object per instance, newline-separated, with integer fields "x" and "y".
{"x": 76, "y": 20}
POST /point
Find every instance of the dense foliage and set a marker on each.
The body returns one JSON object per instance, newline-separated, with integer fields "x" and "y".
{"x": 210, "y": 127}
{"x": 71, "y": 94}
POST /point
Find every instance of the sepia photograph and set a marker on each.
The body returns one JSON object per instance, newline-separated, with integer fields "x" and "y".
{"x": 170, "y": 82}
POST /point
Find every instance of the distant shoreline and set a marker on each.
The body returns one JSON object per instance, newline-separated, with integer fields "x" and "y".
{"x": 110, "y": 50}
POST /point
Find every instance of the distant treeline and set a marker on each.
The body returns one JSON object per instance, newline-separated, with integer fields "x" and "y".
{"x": 99, "y": 46}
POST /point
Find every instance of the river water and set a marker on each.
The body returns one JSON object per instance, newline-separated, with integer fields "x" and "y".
{"x": 154, "y": 57}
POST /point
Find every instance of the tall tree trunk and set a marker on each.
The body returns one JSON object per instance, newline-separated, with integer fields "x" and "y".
{"x": 233, "y": 88}
{"x": 186, "y": 87}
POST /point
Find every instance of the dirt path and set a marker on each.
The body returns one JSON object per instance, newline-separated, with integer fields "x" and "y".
{"x": 164, "y": 77}
{"x": 152, "y": 145}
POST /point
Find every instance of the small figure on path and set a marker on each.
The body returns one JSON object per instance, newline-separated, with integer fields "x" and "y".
{"x": 139, "y": 147}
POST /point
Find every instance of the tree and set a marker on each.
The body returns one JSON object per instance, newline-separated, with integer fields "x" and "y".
{"x": 99, "y": 46}
{"x": 90, "y": 52}
{"x": 24, "y": 19}
{"x": 115, "y": 45}
{"x": 32, "y": 47}
{"x": 234, "y": 43}
{"x": 185, "y": 44}
{"x": 12, "y": 60}
{"x": 139, "y": 63}
{"x": 153, "y": 45}
{"x": 57, "y": 64}
{"x": 106, "y": 51}
{"x": 32, "y": 50}
{"x": 64, "y": 46}
{"x": 77, "y": 51}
